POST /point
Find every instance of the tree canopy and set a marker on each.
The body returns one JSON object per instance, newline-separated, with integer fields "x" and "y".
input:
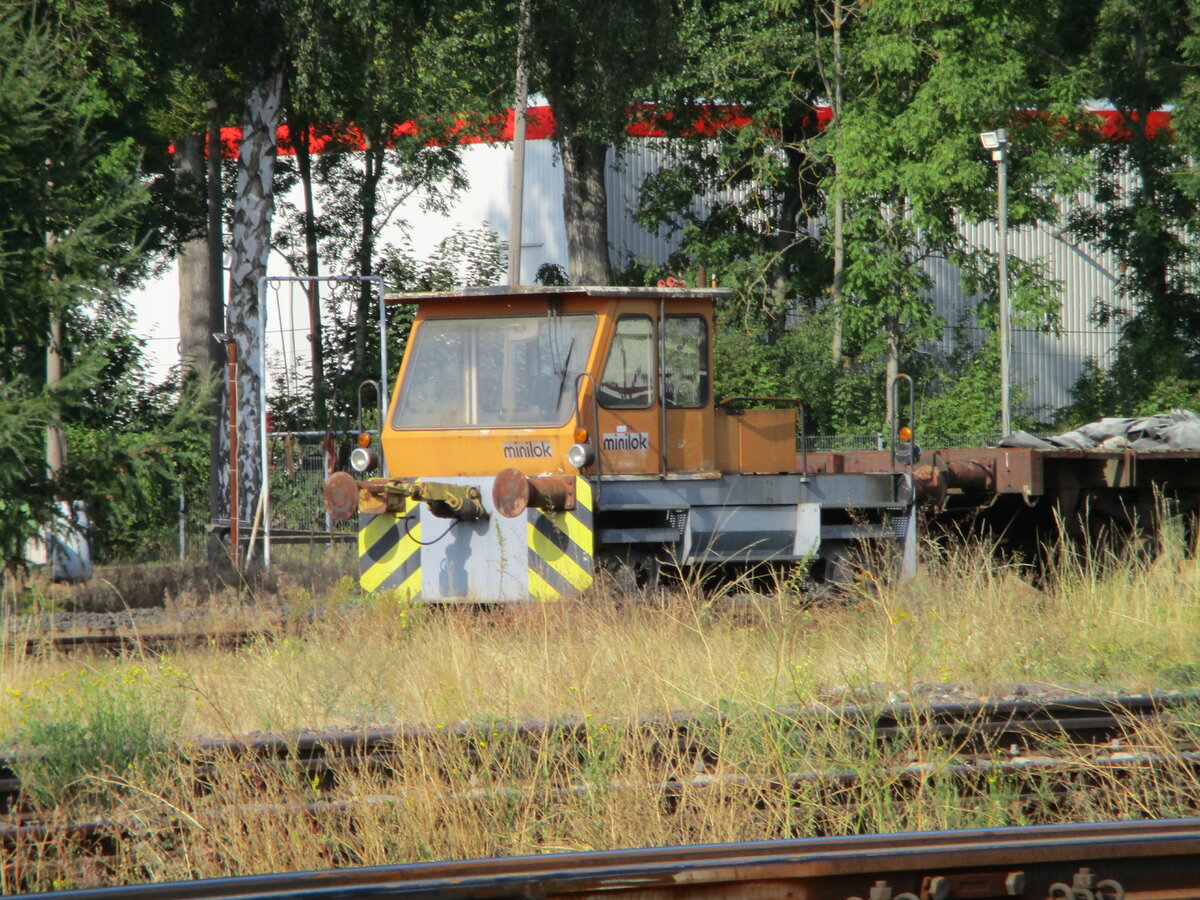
{"x": 838, "y": 159}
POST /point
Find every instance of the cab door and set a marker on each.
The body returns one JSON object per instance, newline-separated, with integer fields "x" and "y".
{"x": 687, "y": 393}
{"x": 657, "y": 365}
{"x": 629, "y": 442}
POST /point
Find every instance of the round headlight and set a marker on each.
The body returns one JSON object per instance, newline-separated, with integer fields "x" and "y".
{"x": 581, "y": 455}
{"x": 362, "y": 459}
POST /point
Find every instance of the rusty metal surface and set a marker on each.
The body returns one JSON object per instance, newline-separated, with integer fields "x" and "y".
{"x": 1031, "y": 472}
{"x": 341, "y": 496}
{"x": 1110, "y": 861}
{"x": 513, "y": 492}
{"x": 972, "y": 728}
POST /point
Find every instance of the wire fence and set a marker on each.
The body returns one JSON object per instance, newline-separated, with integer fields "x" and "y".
{"x": 300, "y": 463}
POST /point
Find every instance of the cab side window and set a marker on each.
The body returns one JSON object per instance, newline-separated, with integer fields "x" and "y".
{"x": 685, "y": 361}
{"x": 627, "y": 382}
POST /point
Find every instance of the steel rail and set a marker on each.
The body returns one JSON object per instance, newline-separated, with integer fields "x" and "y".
{"x": 970, "y": 728}
{"x": 1109, "y": 861}
{"x": 1035, "y": 780}
{"x": 137, "y": 642}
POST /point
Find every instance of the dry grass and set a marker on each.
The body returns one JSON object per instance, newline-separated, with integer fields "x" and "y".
{"x": 361, "y": 661}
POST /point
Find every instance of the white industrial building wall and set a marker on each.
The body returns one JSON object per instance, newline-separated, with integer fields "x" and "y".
{"x": 1046, "y": 366}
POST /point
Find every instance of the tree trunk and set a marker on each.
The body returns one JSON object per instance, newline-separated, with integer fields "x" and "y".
{"x": 893, "y": 369}
{"x": 300, "y": 139}
{"x": 250, "y": 245}
{"x": 373, "y": 171}
{"x": 839, "y": 202}
{"x": 193, "y": 261}
{"x": 585, "y": 209}
{"x": 786, "y": 226}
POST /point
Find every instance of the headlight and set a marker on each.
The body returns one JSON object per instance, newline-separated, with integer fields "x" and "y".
{"x": 362, "y": 459}
{"x": 581, "y": 455}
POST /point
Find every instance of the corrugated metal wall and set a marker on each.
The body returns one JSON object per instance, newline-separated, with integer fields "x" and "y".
{"x": 1045, "y": 366}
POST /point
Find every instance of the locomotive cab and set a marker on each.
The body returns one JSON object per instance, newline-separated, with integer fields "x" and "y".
{"x": 538, "y": 435}
{"x": 505, "y": 379}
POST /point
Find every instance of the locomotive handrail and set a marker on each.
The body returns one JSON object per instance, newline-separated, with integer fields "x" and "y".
{"x": 595, "y": 424}
{"x": 895, "y": 425}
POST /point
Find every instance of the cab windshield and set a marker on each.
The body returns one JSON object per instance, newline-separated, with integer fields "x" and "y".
{"x": 494, "y": 372}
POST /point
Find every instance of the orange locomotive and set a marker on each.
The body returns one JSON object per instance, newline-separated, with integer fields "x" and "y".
{"x": 539, "y": 435}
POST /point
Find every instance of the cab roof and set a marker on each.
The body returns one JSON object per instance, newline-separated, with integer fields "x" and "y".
{"x": 504, "y": 292}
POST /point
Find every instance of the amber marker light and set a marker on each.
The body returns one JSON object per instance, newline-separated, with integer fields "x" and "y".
{"x": 364, "y": 440}
{"x": 581, "y": 435}
{"x": 905, "y": 433}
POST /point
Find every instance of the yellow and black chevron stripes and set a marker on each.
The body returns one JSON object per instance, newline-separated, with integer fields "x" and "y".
{"x": 560, "y": 547}
{"x": 389, "y": 555}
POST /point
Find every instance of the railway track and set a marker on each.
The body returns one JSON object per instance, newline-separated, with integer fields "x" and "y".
{"x": 117, "y": 643}
{"x": 990, "y": 733}
{"x": 1109, "y": 861}
{"x": 1005, "y": 739}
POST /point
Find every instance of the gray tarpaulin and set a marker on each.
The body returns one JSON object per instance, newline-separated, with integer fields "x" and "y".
{"x": 1178, "y": 429}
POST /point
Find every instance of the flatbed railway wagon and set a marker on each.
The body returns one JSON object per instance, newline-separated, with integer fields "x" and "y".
{"x": 1033, "y": 502}
{"x": 538, "y": 438}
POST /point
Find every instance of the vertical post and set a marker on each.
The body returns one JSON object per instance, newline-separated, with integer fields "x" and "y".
{"x": 234, "y": 537}
{"x": 385, "y": 391}
{"x": 1000, "y": 154}
{"x": 216, "y": 301}
{"x": 517, "y": 195}
{"x": 264, "y": 491}
{"x": 182, "y": 526}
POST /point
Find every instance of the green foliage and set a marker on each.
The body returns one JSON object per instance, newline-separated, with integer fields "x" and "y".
{"x": 551, "y": 274}
{"x": 1145, "y": 194}
{"x": 965, "y": 397}
{"x": 759, "y": 180}
{"x": 84, "y": 736}
{"x": 592, "y": 60}
{"x": 927, "y": 80}
{"x": 837, "y": 399}
{"x": 132, "y": 476}
{"x": 70, "y": 197}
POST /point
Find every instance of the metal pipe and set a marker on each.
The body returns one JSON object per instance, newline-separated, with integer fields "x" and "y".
{"x": 662, "y": 382}
{"x": 1001, "y": 157}
{"x": 264, "y": 492}
{"x": 231, "y": 368}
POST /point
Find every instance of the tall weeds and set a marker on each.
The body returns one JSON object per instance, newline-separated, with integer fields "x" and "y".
{"x": 963, "y": 627}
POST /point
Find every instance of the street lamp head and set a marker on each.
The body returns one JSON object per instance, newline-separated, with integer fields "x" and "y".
{"x": 994, "y": 140}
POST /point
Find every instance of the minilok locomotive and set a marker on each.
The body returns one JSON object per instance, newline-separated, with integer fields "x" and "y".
{"x": 538, "y": 437}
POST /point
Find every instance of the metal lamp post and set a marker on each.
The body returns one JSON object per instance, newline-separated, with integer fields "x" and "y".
{"x": 997, "y": 142}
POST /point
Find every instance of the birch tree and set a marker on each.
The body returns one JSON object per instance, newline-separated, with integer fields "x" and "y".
{"x": 250, "y": 244}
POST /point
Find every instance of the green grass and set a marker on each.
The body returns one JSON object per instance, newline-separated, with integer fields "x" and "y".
{"x": 344, "y": 660}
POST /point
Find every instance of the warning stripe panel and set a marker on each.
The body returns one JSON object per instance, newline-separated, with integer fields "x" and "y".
{"x": 389, "y": 552}
{"x": 560, "y": 547}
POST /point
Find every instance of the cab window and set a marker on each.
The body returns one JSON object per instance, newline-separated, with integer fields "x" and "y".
{"x": 627, "y": 382}
{"x": 685, "y": 361}
{"x": 514, "y": 371}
